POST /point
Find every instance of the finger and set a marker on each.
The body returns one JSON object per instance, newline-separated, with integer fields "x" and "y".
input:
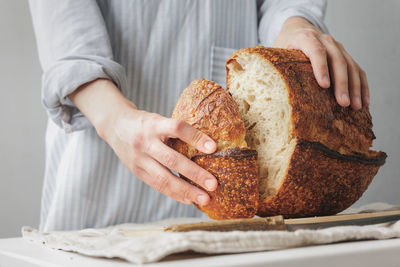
{"x": 181, "y": 164}
{"x": 338, "y": 66}
{"x": 161, "y": 179}
{"x": 147, "y": 178}
{"x": 354, "y": 80}
{"x": 188, "y": 134}
{"x": 364, "y": 88}
{"x": 316, "y": 52}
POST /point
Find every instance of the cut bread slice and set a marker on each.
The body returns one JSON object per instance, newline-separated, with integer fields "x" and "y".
{"x": 313, "y": 155}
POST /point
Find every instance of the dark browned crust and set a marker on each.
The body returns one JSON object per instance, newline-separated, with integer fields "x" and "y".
{"x": 235, "y": 152}
{"x": 237, "y": 193}
{"x": 320, "y": 183}
{"x": 376, "y": 158}
{"x": 315, "y": 113}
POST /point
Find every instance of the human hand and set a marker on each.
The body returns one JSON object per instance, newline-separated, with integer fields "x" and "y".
{"x": 327, "y": 56}
{"x": 139, "y": 140}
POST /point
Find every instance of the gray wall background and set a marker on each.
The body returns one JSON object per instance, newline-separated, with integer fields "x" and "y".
{"x": 369, "y": 30}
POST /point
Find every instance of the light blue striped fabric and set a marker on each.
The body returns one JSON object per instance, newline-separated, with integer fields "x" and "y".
{"x": 152, "y": 49}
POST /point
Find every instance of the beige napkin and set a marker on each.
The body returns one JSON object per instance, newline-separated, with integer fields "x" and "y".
{"x": 152, "y": 246}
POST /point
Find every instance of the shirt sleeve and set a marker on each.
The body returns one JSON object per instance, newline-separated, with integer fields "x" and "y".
{"x": 74, "y": 48}
{"x": 273, "y": 13}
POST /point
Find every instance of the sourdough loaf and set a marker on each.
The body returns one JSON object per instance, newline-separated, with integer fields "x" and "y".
{"x": 313, "y": 155}
{"x": 209, "y": 108}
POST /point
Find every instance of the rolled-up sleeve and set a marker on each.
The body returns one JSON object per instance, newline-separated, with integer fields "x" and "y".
{"x": 273, "y": 13}
{"x": 74, "y": 49}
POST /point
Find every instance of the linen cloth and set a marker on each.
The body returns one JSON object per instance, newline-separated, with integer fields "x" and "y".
{"x": 152, "y": 246}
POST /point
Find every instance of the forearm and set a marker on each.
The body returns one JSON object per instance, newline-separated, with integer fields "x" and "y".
{"x": 74, "y": 49}
{"x": 274, "y": 13}
{"x": 102, "y": 103}
{"x": 293, "y": 23}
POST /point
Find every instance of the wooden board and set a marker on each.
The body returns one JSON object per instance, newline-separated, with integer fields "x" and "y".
{"x": 278, "y": 223}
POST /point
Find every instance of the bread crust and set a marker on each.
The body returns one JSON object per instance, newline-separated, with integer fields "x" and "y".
{"x": 209, "y": 108}
{"x": 331, "y": 165}
{"x": 320, "y": 181}
{"x": 237, "y": 193}
{"x": 316, "y": 116}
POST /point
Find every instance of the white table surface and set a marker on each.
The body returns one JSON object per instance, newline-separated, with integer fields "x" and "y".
{"x": 382, "y": 253}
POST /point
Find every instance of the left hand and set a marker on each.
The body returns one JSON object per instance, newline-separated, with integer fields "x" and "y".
{"x": 327, "y": 56}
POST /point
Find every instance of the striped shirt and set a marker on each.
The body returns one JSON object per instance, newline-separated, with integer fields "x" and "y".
{"x": 151, "y": 49}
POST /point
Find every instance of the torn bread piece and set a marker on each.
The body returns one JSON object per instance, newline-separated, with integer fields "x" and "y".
{"x": 209, "y": 108}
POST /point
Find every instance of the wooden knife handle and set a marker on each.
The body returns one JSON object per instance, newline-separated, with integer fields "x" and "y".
{"x": 257, "y": 224}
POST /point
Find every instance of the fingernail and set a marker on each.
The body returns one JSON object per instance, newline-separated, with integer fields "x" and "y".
{"x": 345, "y": 99}
{"x": 210, "y": 184}
{"x": 209, "y": 146}
{"x": 367, "y": 101}
{"x": 201, "y": 199}
{"x": 325, "y": 79}
{"x": 187, "y": 201}
{"x": 357, "y": 101}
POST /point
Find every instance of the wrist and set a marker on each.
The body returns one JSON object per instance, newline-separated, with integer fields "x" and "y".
{"x": 294, "y": 26}
{"x": 102, "y": 103}
{"x": 107, "y": 122}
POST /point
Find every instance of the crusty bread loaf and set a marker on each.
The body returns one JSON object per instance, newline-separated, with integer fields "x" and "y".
{"x": 208, "y": 107}
{"x": 313, "y": 155}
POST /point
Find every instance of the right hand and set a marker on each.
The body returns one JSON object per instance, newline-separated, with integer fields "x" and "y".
{"x": 139, "y": 140}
